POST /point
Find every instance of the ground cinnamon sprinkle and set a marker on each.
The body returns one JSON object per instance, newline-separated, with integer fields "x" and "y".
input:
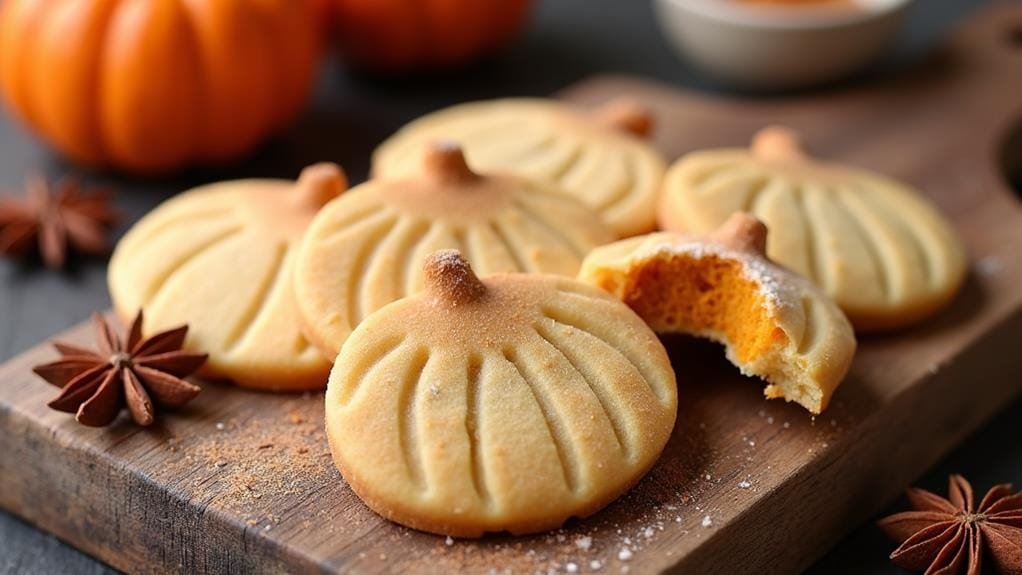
{"x": 250, "y": 459}
{"x": 265, "y": 460}
{"x": 603, "y": 543}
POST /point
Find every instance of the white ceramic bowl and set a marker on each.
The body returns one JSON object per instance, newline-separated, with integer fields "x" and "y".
{"x": 776, "y": 47}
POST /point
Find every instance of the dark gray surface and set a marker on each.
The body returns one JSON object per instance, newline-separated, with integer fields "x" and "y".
{"x": 567, "y": 41}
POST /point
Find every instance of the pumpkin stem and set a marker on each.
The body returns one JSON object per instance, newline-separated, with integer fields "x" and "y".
{"x": 320, "y": 183}
{"x": 626, "y": 115}
{"x": 445, "y": 161}
{"x": 777, "y": 143}
{"x": 744, "y": 232}
{"x": 451, "y": 279}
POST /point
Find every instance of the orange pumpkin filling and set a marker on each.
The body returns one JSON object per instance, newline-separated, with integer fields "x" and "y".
{"x": 709, "y": 296}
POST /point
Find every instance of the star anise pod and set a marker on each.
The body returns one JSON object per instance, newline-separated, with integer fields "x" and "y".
{"x": 53, "y": 222}
{"x": 949, "y": 536}
{"x": 136, "y": 372}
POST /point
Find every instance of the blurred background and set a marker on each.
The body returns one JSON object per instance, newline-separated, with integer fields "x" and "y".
{"x": 352, "y": 109}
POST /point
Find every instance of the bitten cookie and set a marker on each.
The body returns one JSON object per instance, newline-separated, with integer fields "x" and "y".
{"x": 219, "y": 258}
{"x": 876, "y": 246}
{"x": 774, "y": 324}
{"x": 599, "y": 157}
{"x": 365, "y": 249}
{"x": 510, "y": 403}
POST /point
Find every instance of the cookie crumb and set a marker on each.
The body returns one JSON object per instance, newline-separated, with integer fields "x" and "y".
{"x": 707, "y": 521}
{"x": 624, "y": 554}
{"x": 584, "y": 543}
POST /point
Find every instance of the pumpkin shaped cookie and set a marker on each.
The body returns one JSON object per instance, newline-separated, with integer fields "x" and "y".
{"x": 774, "y": 323}
{"x": 510, "y": 403}
{"x": 876, "y": 246}
{"x": 600, "y": 158}
{"x": 219, "y": 258}
{"x": 365, "y": 249}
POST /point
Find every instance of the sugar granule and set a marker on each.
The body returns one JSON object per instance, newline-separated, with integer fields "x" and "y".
{"x": 989, "y": 265}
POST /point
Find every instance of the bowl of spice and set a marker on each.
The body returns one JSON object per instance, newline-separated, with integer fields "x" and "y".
{"x": 780, "y": 44}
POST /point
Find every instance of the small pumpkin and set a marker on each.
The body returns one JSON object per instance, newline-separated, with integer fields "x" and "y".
{"x": 156, "y": 85}
{"x": 403, "y": 35}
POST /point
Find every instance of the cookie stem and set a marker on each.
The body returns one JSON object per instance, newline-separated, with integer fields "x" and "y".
{"x": 445, "y": 161}
{"x": 320, "y": 183}
{"x": 626, "y": 115}
{"x": 742, "y": 231}
{"x": 451, "y": 279}
{"x": 777, "y": 143}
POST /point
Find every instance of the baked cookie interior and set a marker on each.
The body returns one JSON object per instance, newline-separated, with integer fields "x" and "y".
{"x": 773, "y": 324}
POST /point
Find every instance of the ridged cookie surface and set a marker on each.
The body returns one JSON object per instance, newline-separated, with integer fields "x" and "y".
{"x": 600, "y": 158}
{"x": 510, "y": 403}
{"x": 219, "y": 258}
{"x": 366, "y": 248}
{"x": 878, "y": 247}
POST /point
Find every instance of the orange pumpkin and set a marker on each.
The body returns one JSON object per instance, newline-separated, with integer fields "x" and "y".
{"x": 400, "y": 35}
{"x": 153, "y": 85}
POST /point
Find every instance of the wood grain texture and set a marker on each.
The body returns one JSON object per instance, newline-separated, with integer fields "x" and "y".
{"x": 260, "y": 494}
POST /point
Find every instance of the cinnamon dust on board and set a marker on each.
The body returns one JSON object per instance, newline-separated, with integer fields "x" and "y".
{"x": 243, "y": 460}
{"x": 252, "y": 462}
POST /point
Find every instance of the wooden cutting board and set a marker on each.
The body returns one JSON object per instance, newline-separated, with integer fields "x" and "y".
{"x": 242, "y": 482}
